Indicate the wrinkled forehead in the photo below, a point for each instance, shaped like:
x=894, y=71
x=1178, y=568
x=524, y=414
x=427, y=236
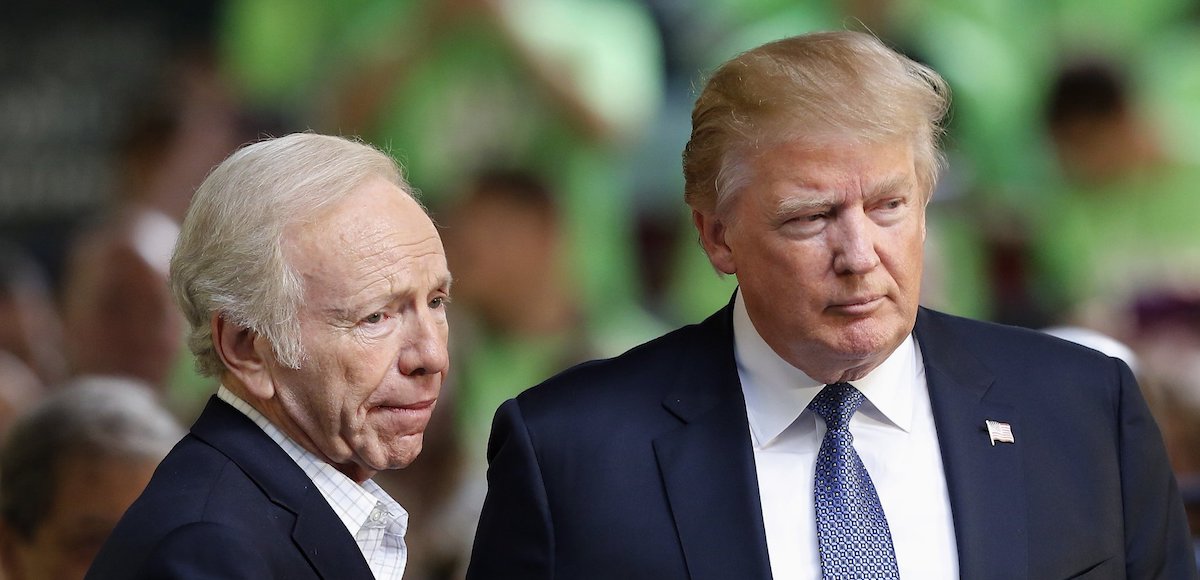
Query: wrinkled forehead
x=850, y=147
x=808, y=151
x=814, y=164
x=376, y=221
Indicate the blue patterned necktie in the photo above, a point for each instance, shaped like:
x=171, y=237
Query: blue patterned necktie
x=852, y=532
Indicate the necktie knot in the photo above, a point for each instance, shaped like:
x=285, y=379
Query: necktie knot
x=836, y=403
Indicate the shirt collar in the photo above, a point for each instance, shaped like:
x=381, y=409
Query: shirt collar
x=777, y=393
x=352, y=502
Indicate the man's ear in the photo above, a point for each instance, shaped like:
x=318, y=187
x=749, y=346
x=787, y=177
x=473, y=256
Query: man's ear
x=712, y=236
x=241, y=351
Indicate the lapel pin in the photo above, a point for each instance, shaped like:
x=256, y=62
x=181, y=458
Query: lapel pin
x=999, y=432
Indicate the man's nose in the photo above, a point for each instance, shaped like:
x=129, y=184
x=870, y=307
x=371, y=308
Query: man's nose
x=424, y=350
x=854, y=244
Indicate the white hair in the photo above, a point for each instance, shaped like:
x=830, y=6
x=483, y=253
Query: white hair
x=230, y=260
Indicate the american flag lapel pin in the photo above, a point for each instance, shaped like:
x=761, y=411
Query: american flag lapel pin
x=999, y=432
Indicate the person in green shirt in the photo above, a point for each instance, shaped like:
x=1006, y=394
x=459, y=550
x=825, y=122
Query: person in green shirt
x=1119, y=225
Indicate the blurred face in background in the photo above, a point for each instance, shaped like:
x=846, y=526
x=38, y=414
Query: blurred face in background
x=92, y=493
x=502, y=250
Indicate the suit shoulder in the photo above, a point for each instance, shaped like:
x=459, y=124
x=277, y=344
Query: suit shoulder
x=196, y=489
x=993, y=337
x=1023, y=359
x=195, y=483
x=191, y=476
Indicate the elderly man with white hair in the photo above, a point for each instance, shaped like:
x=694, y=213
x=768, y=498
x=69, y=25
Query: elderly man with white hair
x=315, y=287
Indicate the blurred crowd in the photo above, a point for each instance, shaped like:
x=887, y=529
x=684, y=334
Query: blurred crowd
x=545, y=135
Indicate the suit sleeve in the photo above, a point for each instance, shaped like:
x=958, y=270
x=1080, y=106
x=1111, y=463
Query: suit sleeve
x=515, y=537
x=1157, y=539
x=203, y=551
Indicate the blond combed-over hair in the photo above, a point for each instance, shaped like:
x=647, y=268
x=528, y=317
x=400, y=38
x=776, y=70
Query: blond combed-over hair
x=814, y=88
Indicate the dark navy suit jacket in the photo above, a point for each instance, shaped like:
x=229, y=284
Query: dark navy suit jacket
x=228, y=502
x=641, y=467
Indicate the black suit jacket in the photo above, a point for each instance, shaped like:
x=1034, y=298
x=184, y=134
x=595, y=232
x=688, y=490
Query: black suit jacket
x=641, y=467
x=228, y=502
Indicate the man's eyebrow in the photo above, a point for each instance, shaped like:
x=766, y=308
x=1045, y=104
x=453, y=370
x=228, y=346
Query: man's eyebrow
x=442, y=282
x=892, y=185
x=344, y=314
x=794, y=205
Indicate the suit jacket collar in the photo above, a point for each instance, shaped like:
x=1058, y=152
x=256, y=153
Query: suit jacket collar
x=318, y=532
x=707, y=463
x=985, y=481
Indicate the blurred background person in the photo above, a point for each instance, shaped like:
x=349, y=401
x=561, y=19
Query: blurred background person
x=460, y=87
x=70, y=467
x=82, y=73
x=20, y=389
x=30, y=325
x=118, y=313
x=107, y=123
x=31, y=342
x=522, y=312
x=1116, y=227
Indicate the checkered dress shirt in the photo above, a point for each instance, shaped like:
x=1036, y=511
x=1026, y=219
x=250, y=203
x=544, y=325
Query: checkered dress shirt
x=376, y=521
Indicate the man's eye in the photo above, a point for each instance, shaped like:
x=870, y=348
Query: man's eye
x=438, y=302
x=374, y=318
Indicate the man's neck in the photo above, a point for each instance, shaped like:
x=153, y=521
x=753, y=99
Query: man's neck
x=273, y=411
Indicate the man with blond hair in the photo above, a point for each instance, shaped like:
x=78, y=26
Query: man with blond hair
x=823, y=424
x=315, y=286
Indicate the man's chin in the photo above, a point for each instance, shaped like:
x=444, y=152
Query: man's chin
x=403, y=455
x=868, y=340
x=862, y=335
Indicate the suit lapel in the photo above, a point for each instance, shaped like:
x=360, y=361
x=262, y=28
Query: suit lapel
x=707, y=464
x=985, y=481
x=334, y=555
x=318, y=532
x=708, y=472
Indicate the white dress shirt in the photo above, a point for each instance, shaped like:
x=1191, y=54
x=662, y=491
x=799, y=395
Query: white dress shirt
x=376, y=521
x=894, y=434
